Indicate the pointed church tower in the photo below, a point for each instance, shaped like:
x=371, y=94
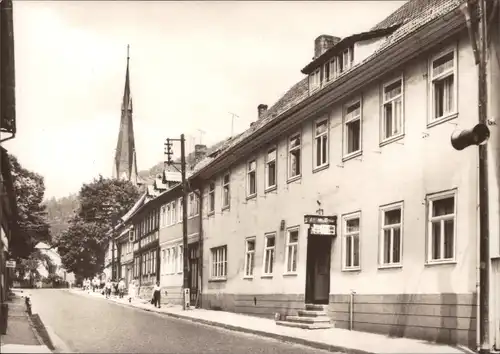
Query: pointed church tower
x=125, y=165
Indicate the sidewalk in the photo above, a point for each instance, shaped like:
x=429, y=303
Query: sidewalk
x=332, y=339
x=21, y=335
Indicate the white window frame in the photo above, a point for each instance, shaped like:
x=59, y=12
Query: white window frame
x=392, y=101
x=226, y=203
x=288, y=245
x=163, y=261
x=269, y=161
x=249, y=175
x=180, y=259
x=453, y=71
x=269, y=250
x=193, y=204
x=292, y=149
x=326, y=80
x=346, y=236
x=218, y=257
x=169, y=262
x=211, y=197
x=249, y=254
x=391, y=227
x=431, y=198
x=346, y=121
x=163, y=218
x=173, y=211
x=315, y=80
x=179, y=204
x=322, y=138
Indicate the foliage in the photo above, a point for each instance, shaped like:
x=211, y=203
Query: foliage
x=59, y=214
x=29, y=188
x=106, y=199
x=29, y=266
x=81, y=248
x=101, y=203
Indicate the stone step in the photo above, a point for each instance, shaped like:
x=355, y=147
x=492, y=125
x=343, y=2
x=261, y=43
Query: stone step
x=315, y=307
x=319, y=319
x=321, y=325
x=309, y=313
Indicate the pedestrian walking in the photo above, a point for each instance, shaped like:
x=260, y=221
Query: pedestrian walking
x=156, y=300
x=108, y=289
x=131, y=291
x=121, y=288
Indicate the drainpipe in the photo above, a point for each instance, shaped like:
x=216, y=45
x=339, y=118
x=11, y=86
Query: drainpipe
x=351, y=309
x=200, y=233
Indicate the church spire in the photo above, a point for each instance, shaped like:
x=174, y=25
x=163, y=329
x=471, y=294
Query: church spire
x=125, y=165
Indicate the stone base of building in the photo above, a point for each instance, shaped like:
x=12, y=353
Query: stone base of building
x=173, y=295
x=442, y=318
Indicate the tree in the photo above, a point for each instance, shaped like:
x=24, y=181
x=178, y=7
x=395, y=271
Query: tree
x=28, y=267
x=102, y=201
x=81, y=248
x=29, y=188
x=105, y=199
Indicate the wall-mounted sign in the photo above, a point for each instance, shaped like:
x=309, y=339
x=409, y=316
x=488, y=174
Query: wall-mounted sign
x=323, y=229
x=320, y=219
x=10, y=264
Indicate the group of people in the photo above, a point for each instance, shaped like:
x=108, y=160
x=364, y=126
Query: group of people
x=118, y=288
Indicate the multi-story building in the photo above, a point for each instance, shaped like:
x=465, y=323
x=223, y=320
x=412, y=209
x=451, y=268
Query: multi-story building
x=364, y=140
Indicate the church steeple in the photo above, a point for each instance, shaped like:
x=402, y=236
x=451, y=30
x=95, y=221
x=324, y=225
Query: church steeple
x=125, y=166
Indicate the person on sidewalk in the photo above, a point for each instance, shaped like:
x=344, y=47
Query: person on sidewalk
x=157, y=295
x=108, y=289
x=131, y=291
x=121, y=288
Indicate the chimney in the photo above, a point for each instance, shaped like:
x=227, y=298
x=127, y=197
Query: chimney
x=200, y=151
x=323, y=43
x=262, y=108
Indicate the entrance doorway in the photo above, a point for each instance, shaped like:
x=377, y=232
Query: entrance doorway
x=193, y=259
x=318, y=269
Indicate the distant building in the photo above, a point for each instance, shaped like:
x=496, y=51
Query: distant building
x=55, y=267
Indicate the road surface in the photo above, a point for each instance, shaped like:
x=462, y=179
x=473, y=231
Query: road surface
x=87, y=324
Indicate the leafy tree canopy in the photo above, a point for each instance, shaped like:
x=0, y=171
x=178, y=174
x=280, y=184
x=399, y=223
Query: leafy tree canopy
x=29, y=188
x=81, y=247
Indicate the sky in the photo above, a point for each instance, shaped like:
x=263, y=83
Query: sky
x=192, y=64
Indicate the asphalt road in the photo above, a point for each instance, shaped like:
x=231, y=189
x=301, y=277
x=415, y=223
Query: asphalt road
x=95, y=325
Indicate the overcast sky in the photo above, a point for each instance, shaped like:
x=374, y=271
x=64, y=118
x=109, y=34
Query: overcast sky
x=191, y=64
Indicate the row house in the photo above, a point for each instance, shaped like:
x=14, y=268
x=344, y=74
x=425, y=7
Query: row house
x=171, y=236
x=365, y=140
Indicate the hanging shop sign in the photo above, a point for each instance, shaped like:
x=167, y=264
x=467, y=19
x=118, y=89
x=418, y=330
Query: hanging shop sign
x=322, y=225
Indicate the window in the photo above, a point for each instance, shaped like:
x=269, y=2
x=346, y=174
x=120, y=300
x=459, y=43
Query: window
x=271, y=169
x=169, y=261
x=292, y=242
x=173, y=211
x=392, y=122
x=269, y=247
x=442, y=228
x=226, y=196
x=174, y=260
x=163, y=261
x=294, y=156
x=351, y=233
x=391, y=234
x=321, y=143
x=314, y=80
x=193, y=205
x=211, y=197
x=251, y=178
x=326, y=73
x=163, y=216
x=219, y=262
x=352, y=130
x=249, y=257
x=180, y=203
x=169, y=214
x=443, y=85
x=180, y=259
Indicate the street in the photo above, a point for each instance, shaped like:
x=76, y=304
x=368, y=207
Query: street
x=95, y=325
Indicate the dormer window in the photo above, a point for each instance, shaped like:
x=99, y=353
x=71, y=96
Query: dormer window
x=315, y=80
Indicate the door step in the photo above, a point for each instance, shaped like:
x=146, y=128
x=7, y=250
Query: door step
x=313, y=317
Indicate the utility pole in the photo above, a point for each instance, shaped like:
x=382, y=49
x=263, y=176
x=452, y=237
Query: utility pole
x=479, y=136
x=185, y=253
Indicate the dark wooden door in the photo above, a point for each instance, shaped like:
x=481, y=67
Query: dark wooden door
x=318, y=269
x=193, y=259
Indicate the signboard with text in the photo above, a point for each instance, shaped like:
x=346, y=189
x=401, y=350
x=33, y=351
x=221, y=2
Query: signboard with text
x=321, y=225
x=10, y=264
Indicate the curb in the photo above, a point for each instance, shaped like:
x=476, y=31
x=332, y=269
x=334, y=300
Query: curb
x=40, y=331
x=281, y=337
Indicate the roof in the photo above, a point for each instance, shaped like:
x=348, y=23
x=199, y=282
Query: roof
x=172, y=176
x=132, y=210
x=410, y=17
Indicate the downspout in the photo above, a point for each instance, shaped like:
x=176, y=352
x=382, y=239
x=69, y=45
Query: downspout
x=200, y=266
